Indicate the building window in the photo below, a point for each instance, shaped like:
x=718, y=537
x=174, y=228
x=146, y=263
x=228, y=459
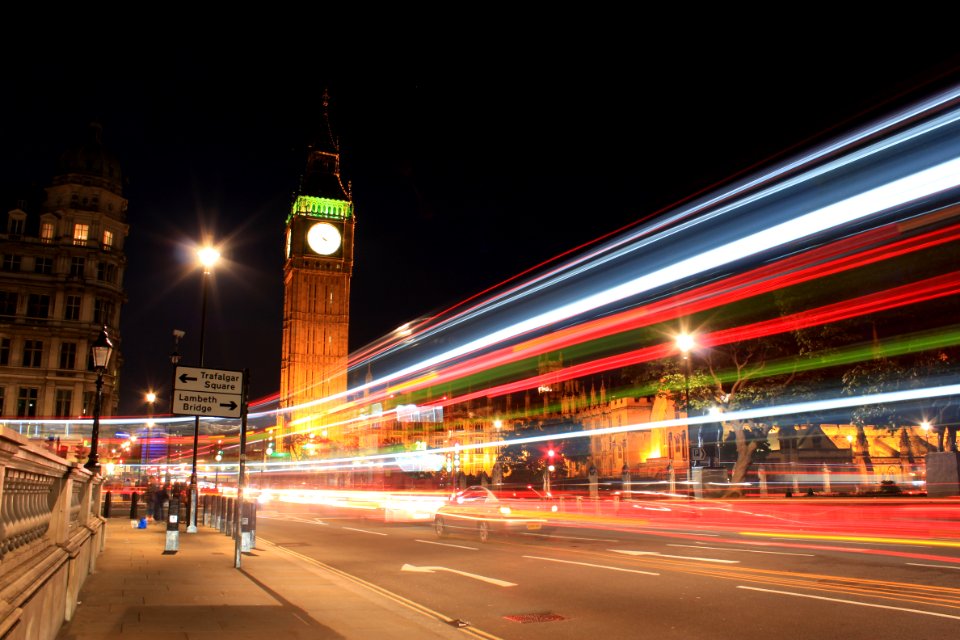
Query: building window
x=32, y=353
x=11, y=262
x=81, y=232
x=88, y=403
x=107, y=239
x=8, y=303
x=43, y=265
x=102, y=311
x=68, y=356
x=106, y=272
x=15, y=226
x=46, y=232
x=27, y=402
x=38, y=305
x=64, y=400
x=4, y=352
x=77, y=266
x=72, y=309
x=1, y=402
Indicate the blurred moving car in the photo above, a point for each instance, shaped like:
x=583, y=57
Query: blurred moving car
x=481, y=511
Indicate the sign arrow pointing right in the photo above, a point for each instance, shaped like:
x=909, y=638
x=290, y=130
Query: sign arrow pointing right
x=230, y=405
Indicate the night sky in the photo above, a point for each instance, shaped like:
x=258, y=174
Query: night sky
x=462, y=174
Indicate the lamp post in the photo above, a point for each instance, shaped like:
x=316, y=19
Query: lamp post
x=686, y=343
x=208, y=257
x=101, y=351
x=174, y=360
x=150, y=397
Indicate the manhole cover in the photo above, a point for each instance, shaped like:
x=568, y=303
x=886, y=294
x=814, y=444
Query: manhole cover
x=527, y=618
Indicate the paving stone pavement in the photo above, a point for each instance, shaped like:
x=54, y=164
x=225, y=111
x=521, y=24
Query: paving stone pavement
x=196, y=593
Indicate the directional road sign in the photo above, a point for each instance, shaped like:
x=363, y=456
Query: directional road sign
x=213, y=393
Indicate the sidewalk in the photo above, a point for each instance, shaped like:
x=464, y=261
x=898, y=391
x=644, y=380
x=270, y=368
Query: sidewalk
x=139, y=592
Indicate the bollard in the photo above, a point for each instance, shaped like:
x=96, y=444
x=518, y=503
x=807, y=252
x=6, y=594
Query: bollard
x=248, y=526
x=231, y=516
x=173, y=527
x=107, y=503
x=134, y=507
x=205, y=501
x=221, y=513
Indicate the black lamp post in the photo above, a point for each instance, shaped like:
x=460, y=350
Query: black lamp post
x=686, y=343
x=174, y=360
x=101, y=351
x=208, y=257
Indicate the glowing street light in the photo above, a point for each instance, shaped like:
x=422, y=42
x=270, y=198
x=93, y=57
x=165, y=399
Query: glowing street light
x=208, y=257
x=100, y=351
x=686, y=343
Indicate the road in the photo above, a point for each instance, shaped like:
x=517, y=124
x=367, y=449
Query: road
x=646, y=579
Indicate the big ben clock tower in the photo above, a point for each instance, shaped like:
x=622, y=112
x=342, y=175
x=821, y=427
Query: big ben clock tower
x=318, y=260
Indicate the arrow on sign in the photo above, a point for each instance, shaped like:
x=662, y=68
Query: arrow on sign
x=230, y=405
x=499, y=583
x=185, y=378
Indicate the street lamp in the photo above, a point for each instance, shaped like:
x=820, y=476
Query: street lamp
x=101, y=351
x=174, y=360
x=150, y=397
x=208, y=257
x=686, y=343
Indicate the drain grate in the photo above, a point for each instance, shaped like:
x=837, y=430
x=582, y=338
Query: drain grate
x=527, y=618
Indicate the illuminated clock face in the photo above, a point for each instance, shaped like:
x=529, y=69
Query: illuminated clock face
x=324, y=238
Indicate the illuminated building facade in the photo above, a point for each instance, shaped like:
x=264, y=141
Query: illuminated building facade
x=61, y=282
x=318, y=255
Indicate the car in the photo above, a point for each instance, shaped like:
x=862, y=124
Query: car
x=481, y=511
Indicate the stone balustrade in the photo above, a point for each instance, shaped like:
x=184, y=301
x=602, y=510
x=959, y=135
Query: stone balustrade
x=50, y=535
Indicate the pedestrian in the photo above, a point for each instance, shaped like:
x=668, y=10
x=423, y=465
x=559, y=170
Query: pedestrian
x=159, y=500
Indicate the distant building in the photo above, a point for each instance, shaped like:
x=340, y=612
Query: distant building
x=61, y=282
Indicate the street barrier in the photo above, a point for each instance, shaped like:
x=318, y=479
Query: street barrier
x=173, y=526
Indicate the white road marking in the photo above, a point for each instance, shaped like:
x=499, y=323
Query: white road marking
x=447, y=544
x=936, y=566
x=499, y=583
x=547, y=535
x=373, y=533
x=776, y=553
x=596, y=566
x=857, y=542
x=861, y=604
x=655, y=554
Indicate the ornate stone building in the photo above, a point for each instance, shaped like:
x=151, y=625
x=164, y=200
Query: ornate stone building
x=316, y=306
x=61, y=282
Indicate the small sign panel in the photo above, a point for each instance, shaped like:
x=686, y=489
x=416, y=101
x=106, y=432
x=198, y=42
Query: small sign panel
x=212, y=393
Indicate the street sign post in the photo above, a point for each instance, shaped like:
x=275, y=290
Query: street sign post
x=210, y=393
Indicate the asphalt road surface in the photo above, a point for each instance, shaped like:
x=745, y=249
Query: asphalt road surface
x=652, y=579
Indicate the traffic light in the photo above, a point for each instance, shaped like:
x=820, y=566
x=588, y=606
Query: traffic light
x=219, y=450
x=551, y=456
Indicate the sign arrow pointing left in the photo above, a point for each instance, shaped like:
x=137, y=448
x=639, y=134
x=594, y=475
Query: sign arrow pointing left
x=415, y=569
x=185, y=378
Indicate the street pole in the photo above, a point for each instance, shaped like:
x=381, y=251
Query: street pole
x=174, y=360
x=100, y=351
x=239, y=520
x=208, y=257
x=192, y=526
